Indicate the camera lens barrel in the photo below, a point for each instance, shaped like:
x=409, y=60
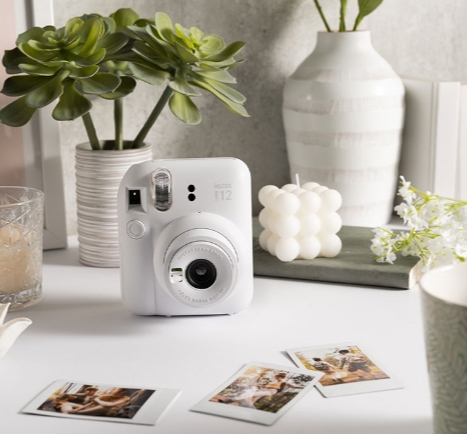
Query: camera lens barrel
x=201, y=274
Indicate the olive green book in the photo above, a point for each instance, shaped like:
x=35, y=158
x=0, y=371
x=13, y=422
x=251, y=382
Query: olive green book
x=354, y=264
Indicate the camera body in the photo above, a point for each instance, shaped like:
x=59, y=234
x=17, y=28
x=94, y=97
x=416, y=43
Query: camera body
x=185, y=237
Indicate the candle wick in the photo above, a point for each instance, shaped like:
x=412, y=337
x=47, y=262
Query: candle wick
x=297, y=180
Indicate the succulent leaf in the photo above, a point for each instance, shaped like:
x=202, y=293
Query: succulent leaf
x=164, y=26
x=185, y=55
x=48, y=92
x=184, y=109
x=211, y=44
x=38, y=69
x=17, y=113
x=180, y=84
x=90, y=33
x=38, y=56
x=72, y=104
x=225, y=90
x=127, y=86
x=22, y=84
x=34, y=33
x=232, y=106
x=112, y=43
x=101, y=82
x=148, y=74
x=228, y=52
x=125, y=17
x=215, y=74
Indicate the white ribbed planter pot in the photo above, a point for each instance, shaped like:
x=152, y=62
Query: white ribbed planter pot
x=98, y=176
x=343, y=114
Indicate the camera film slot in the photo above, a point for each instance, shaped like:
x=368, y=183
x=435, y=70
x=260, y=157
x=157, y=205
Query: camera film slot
x=161, y=188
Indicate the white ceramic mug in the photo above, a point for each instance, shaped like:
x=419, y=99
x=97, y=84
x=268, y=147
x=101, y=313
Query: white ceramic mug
x=445, y=322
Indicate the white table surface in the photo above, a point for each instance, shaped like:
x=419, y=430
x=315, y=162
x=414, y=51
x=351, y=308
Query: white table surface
x=82, y=332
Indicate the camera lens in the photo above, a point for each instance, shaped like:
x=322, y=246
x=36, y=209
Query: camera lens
x=201, y=274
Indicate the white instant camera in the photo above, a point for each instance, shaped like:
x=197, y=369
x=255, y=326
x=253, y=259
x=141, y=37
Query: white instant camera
x=185, y=237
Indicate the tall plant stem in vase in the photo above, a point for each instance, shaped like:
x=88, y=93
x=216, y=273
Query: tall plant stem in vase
x=342, y=16
x=91, y=132
x=118, y=116
x=320, y=11
x=138, y=142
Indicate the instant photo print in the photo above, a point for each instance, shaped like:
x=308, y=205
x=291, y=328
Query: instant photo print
x=78, y=400
x=346, y=369
x=259, y=393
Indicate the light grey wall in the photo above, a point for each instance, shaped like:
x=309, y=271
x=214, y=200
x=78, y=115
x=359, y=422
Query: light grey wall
x=418, y=38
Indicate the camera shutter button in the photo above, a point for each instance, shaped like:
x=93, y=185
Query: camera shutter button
x=135, y=229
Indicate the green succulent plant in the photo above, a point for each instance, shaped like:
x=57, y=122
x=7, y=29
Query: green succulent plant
x=95, y=55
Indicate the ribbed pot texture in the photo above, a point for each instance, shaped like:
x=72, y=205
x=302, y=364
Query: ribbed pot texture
x=343, y=112
x=98, y=176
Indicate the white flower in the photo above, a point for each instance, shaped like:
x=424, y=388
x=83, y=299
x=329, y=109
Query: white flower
x=406, y=192
x=438, y=230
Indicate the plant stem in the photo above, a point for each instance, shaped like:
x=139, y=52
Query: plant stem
x=118, y=119
x=320, y=11
x=138, y=142
x=358, y=20
x=342, y=19
x=91, y=132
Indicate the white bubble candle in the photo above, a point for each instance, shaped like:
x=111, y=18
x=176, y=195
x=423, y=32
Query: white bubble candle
x=300, y=222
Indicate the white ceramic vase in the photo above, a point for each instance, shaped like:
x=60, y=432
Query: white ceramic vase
x=343, y=112
x=98, y=176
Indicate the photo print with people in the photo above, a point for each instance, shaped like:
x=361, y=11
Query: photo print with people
x=78, y=400
x=90, y=400
x=259, y=393
x=346, y=369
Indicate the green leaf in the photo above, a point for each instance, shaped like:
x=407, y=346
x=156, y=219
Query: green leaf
x=17, y=114
x=11, y=60
x=102, y=82
x=212, y=44
x=184, y=109
x=225, y=90
x=34, y=33
x=127, y=86
x=40, y=56
x=23, y=84
x=366, y=7
x=113, y=42
x=138, y=33
x=72, y=26
x=50, y=91
x=232, y=106
x=180, y=84
x=152, y=55
x=84, y=72
x=164, y=26
x=72, y=104
x=38, y=69
x=148, y=74
x=184, y=36
x=228, y=52
x=39, y=46
x=185, y=55
x=90, y=33
x=125, y=17
x=93, y=59
x=222, y=76
x=196, y=34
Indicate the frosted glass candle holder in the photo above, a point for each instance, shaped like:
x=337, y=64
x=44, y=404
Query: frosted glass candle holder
x=300, y=222
x=21, y=231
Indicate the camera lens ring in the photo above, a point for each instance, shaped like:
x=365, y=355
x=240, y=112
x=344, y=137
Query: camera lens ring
x=201, y=274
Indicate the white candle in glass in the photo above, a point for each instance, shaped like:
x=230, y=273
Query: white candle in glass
x=19, y=262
